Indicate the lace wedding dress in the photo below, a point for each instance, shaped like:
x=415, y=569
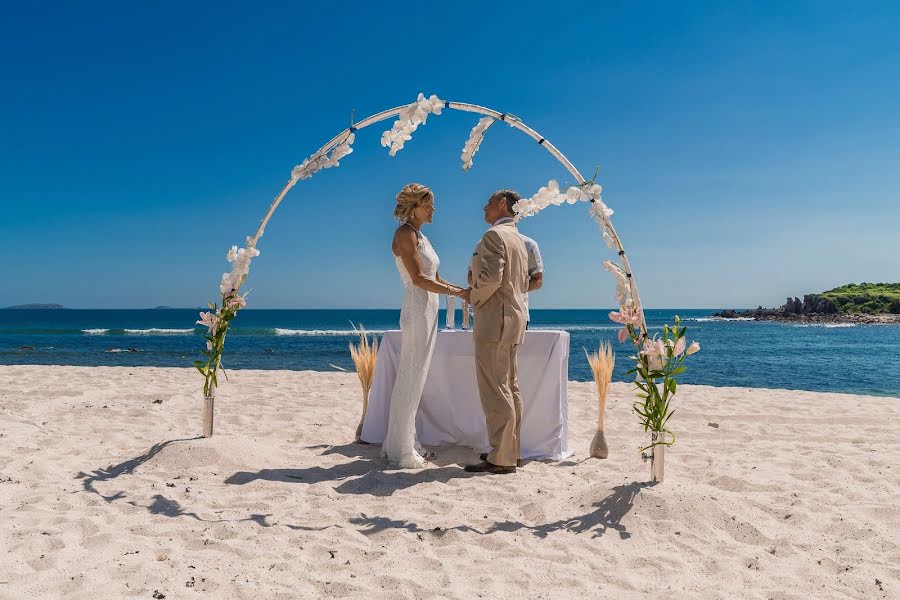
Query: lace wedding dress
x=418, y=327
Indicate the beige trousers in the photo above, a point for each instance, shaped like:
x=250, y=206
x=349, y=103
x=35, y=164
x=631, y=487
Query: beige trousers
x=498, y=385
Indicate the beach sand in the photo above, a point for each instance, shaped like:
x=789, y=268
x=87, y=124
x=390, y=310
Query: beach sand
x=107, y=492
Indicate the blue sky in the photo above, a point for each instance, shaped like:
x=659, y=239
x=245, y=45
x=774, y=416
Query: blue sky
x=750, y=150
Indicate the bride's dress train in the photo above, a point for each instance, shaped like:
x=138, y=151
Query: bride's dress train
x=418, y=327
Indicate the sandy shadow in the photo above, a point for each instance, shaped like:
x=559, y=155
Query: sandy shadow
x=574, y=463
x=443, y=455
x=123, y=468
x=167, y=508
x=164, y=507
x=354, y=450
x=608, y=515
x=308, y=475
x=385, y=483
x=373, y=525
x=359, y=477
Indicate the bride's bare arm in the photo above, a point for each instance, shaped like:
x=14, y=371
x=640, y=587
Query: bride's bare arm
x=406, y=247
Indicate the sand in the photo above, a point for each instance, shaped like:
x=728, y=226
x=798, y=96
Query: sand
x=107, y=492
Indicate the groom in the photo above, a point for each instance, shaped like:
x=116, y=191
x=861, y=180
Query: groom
x=499, y=283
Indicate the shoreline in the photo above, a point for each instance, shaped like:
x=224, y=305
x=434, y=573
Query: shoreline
x=312, y=372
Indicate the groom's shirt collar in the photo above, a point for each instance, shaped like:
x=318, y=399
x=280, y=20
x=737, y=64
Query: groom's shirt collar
x=502, y=220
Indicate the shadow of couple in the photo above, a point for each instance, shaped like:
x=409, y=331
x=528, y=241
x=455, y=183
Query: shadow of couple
x=368, y=474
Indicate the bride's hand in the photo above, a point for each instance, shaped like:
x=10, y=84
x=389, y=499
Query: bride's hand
x=453, y=290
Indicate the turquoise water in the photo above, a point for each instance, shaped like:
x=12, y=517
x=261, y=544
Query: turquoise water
x=863, y=359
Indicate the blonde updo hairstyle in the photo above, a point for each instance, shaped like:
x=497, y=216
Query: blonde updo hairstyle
x=412, y=196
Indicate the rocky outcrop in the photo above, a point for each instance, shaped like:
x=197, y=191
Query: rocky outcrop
x=812, y=304
x=814, y=308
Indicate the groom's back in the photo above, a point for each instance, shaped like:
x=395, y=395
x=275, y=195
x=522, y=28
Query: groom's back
x=502, y=317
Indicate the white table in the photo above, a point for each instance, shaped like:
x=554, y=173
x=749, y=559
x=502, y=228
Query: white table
x=450, y=411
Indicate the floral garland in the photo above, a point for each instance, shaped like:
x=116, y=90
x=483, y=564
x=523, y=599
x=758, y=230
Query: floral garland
x=219, y=319
x=410, y=118
x=474, y=142
x=623, y=289
x=659, y=360
x=552, y=195
x=324, y=159
x=658, y=363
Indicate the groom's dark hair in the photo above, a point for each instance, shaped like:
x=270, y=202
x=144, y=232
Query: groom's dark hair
x=510, y=197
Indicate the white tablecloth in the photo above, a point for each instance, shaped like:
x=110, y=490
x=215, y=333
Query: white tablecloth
x=450, y=411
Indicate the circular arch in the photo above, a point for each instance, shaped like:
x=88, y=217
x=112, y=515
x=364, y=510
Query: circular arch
x=659, y=358
x=412, y=115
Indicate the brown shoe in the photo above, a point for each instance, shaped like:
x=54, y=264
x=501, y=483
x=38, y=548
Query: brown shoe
x=483, y=456
x=486, y=467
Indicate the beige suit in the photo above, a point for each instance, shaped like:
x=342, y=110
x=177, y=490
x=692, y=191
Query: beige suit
x=499, y=283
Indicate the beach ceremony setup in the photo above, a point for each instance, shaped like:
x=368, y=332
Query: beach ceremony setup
x=450, y=412
x=332, y=302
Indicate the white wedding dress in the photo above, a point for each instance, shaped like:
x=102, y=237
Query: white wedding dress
x=418, y=331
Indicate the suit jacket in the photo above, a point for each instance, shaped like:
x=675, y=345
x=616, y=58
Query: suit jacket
x=499, y=283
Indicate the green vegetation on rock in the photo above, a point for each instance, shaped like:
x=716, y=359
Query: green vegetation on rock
x=871, y=298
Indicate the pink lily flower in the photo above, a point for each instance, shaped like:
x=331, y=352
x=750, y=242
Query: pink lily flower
x=655, y=351
x=237, y=302
x=208, y=319
x=627, y=315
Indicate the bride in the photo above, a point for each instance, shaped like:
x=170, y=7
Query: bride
x=417, y=263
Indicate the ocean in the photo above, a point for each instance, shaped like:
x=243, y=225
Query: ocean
x=861, y=359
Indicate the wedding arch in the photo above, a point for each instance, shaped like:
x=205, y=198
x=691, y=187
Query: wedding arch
x=409, y=118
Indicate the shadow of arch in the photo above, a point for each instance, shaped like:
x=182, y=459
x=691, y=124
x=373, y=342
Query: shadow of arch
x=373, y=525
x=608, y=515
x=123, y=468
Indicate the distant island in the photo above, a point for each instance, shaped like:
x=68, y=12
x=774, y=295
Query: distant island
x=35, y=306
x=851, y=303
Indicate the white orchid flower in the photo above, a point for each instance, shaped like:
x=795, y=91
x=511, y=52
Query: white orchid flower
x=226, y=286
x=474, y=142
x=610, y=242
x=408, y=120
x=623, y=289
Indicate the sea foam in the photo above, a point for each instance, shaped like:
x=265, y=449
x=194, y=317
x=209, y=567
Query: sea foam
x=158, y=331
x=323, y=332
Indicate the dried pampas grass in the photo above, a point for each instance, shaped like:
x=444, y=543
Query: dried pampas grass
x=601, y=362
x=364, y=356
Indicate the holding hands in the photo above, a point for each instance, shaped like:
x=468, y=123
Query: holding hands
x=453, y=290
